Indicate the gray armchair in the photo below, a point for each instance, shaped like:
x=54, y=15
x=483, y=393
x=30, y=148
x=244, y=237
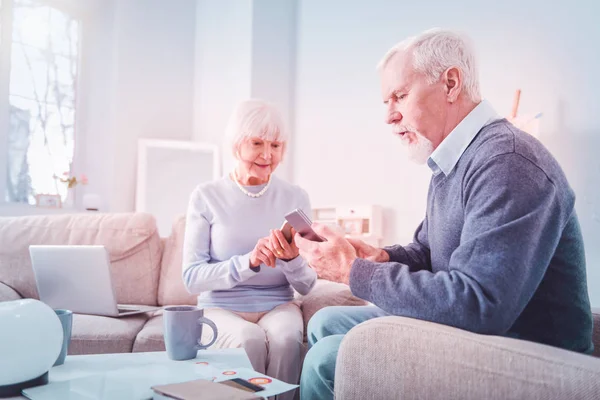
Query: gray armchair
x=403, y=358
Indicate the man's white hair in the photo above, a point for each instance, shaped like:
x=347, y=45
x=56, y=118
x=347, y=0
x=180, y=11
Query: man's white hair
x=255, y=118
x=436, y=50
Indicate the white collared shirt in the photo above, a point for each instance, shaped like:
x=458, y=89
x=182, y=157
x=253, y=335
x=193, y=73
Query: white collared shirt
x=447, y=154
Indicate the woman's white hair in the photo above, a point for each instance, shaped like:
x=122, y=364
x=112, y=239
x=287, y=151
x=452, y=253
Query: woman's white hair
x=436, y=50
x=255, y=118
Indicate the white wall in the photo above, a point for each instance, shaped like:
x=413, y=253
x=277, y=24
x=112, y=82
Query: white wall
x=244, y=49
x=274, y=63
x=223, y=72
x=142, y=87
x=155, y=72
x=344, y=153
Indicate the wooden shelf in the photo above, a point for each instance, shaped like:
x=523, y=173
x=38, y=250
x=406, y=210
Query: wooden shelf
x=363, y=222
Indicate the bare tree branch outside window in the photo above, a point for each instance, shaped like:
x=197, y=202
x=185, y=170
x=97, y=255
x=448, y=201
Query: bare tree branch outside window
x=44, y=67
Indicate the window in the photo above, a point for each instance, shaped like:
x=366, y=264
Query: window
x=44, y=57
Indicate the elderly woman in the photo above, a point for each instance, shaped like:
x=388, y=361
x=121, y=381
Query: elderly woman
x=236, y=259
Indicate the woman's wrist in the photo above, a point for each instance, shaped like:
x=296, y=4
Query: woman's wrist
x=255, y=269
x=254, y=263
x=290, y=259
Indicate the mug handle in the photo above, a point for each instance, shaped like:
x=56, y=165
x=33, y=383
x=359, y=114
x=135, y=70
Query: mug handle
x=204, y=320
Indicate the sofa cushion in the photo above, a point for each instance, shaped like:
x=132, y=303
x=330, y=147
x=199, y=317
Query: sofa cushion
x=324, y=294
x=150, y=338
x=171, y=289
x=132, y=241
x=94, y=334
x=7, y=293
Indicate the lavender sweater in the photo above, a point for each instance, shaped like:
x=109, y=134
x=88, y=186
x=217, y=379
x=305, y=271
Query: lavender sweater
x=500, y=250
x=222, y=227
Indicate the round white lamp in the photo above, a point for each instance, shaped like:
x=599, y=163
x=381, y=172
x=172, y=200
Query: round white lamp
x=30, y=341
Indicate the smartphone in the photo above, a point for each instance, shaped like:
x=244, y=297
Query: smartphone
x=286, y=229
x=242, y=384
x=302, y=224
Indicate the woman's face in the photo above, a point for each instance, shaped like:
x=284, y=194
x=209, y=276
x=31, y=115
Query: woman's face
x=259, y=158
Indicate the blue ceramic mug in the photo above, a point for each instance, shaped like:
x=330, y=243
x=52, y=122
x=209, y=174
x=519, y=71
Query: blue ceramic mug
x=66, y=320
x=183, y=331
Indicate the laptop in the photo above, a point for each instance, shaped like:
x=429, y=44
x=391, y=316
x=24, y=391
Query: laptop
x=78, y=278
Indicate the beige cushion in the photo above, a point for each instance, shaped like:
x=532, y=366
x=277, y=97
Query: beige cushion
x=101, y=335
x=325, y=294
x=151, y=337
x=7, y=293
x=131, y=239
x=171, y=289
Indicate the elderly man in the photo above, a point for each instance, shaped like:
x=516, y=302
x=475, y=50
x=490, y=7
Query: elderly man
x=500, y=250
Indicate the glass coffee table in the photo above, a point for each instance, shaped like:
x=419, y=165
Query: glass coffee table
x=131, y=375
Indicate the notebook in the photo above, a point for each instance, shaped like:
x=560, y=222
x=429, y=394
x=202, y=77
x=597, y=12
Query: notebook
x=201, y=390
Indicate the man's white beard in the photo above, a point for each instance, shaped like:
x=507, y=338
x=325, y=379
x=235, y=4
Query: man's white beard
x=417, y=152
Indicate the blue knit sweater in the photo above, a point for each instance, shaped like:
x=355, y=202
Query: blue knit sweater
x=499, y=252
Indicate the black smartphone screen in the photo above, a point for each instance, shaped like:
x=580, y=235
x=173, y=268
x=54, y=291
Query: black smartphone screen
x=245, y=385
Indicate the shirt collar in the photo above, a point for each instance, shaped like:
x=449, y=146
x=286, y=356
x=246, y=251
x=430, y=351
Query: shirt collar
x=447, y=154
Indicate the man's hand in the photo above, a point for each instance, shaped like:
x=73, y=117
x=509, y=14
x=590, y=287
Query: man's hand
x=262, y=254
x=332, y=259
x=369, y=252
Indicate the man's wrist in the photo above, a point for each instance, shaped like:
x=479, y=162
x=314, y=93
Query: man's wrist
x=345, y=278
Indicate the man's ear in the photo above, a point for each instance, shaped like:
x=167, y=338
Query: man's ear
x=453, y=82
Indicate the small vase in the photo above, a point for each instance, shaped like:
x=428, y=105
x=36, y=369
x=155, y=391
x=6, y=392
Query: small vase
x=70, y=199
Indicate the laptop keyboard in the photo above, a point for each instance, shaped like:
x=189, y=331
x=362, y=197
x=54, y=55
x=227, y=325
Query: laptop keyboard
x=124, y=310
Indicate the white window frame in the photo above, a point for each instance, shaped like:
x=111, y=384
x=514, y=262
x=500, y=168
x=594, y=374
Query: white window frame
x=76, y=10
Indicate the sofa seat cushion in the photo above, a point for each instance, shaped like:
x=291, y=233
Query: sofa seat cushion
x=94, y=334
x=150, y=338
x=131, y=239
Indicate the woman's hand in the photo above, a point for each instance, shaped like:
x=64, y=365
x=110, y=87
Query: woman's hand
x=262, y=253
x=281, y=248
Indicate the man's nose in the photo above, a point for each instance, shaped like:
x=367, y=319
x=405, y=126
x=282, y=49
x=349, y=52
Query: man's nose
x=393, y=117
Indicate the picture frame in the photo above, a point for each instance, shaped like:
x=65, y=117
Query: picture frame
x=168, y=171
x=45, y=200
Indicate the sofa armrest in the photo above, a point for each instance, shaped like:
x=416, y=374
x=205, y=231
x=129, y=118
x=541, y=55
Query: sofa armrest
x=7, y=293
x=596, y=333
x=396, y=357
